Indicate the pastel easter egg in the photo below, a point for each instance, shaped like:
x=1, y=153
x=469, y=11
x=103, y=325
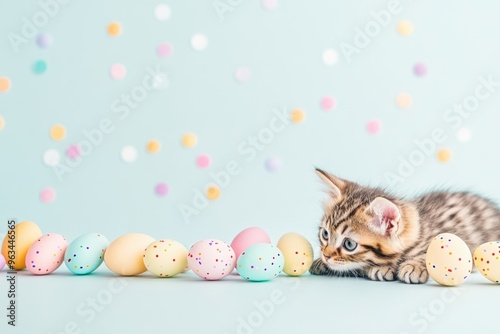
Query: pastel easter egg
x=46, y=254
x=448, y=260
x=165, y=258
x=487, y=260
x=247, y=238
x=211, y=259
x=86, y=253
x=260, y=262
x=124, y=254
x=2, y=262
x=17, y=241
x=298, y=253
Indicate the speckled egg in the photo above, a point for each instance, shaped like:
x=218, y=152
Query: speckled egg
x=487, y=260
x=165, y=258
x=86, y=253
x=211, y=259
x=260, y=262
x=247, y=238
x=25, y=234
x=124, y=254
x=298, y=253
x=46, y=254
x=448, y=260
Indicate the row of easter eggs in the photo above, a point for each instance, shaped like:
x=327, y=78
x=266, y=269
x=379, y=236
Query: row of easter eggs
x=251, y=252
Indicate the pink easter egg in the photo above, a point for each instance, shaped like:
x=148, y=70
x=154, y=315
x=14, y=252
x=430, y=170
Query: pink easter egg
x=211, y=259
x=46, y=254
x=247, y=238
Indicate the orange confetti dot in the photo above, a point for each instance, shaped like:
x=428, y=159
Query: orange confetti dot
x=405, y=28
x=58, y=132
x=189, y=140
x=153, y=146
x=114, y=29
x=444, y=155
x=297, y=116
x=213, y=192
x=4, y=84
x=404, y=101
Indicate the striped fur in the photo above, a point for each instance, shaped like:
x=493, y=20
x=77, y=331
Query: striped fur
x=392, y=234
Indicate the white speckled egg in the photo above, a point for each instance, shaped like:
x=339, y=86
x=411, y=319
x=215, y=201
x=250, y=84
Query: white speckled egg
x=165, y=258
x=298, y=253
x=46, y=254
x=211, y=259
x=448, y=260
x=260, y=262
x=86, y=253
x=487, y=260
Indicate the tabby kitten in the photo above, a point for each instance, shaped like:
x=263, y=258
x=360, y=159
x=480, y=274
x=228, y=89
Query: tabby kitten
x=368, y=232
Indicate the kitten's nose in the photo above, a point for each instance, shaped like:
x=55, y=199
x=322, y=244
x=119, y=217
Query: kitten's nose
x=328, y=252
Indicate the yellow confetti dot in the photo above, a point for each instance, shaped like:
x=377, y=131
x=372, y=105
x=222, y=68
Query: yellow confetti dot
x=404, y=101
x=405, y=28
x=444, y=155
x=4, y=84
x=58, y=132
x=114, y=29
x=2, y=122
x=189, y=140
x=153, y=146
x=213, y=192
x=297, y=116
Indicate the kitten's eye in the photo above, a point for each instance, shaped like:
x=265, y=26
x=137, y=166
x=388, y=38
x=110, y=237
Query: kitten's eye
x=350, y=245
x=325, y=234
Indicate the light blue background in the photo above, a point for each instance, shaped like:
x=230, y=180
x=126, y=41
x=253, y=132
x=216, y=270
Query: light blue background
x=457, y=41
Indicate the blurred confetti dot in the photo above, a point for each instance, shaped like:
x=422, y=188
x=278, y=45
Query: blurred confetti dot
x=243, y=74
x=118, y=71
x=373, y=127
x=57, y=132
x=162, y=12
x=189, y=140
x=273, y=164
x=2, y=122
x=270, y=4
x=114, y=29
x=44, y=40
x=297, y=116
x=4, y=84
x=51, y=157
x=404, y=101
x=213, y=192
x=199, y=42
x=161, y=189
x=328, y=103
x=405, y=28
x=129, y=154
x=444, y=155
x=47, y=195
x=153, y=146
x=39, y=67
x=73, y=152
x=164, y=50
x=203, y=161
x=330, y=57
x=463, y=135
x=420, y=69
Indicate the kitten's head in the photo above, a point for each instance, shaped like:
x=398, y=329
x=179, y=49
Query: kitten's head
x=363, y=227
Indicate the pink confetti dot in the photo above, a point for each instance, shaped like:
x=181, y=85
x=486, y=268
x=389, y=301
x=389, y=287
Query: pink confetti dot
x=420, y=69
x=161, y=189
x=270, y=4
x=328, y=103
x=164, y=50
x=47, y=195
x=73, y=152
x=373, y=127
x=203, y=161
x=243, y=74
x=118, y=71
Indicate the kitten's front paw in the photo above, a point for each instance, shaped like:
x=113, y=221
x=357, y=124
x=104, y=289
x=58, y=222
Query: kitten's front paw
x=319, y=268
x=413, y=272
x=383, y=273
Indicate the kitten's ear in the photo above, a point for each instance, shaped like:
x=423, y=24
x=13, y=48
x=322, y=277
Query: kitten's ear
x=335, y=185
x=385, y=216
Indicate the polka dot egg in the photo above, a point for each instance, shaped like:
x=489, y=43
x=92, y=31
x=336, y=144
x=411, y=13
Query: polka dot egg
x=487, y=260
x=260, y=262
x=298, y=253
x=86, y=253
x=165, y=258
x=448, y=260
x=211, y=259
x=46, y=254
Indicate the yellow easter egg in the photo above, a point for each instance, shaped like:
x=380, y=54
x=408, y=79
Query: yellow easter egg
x=298, y=253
